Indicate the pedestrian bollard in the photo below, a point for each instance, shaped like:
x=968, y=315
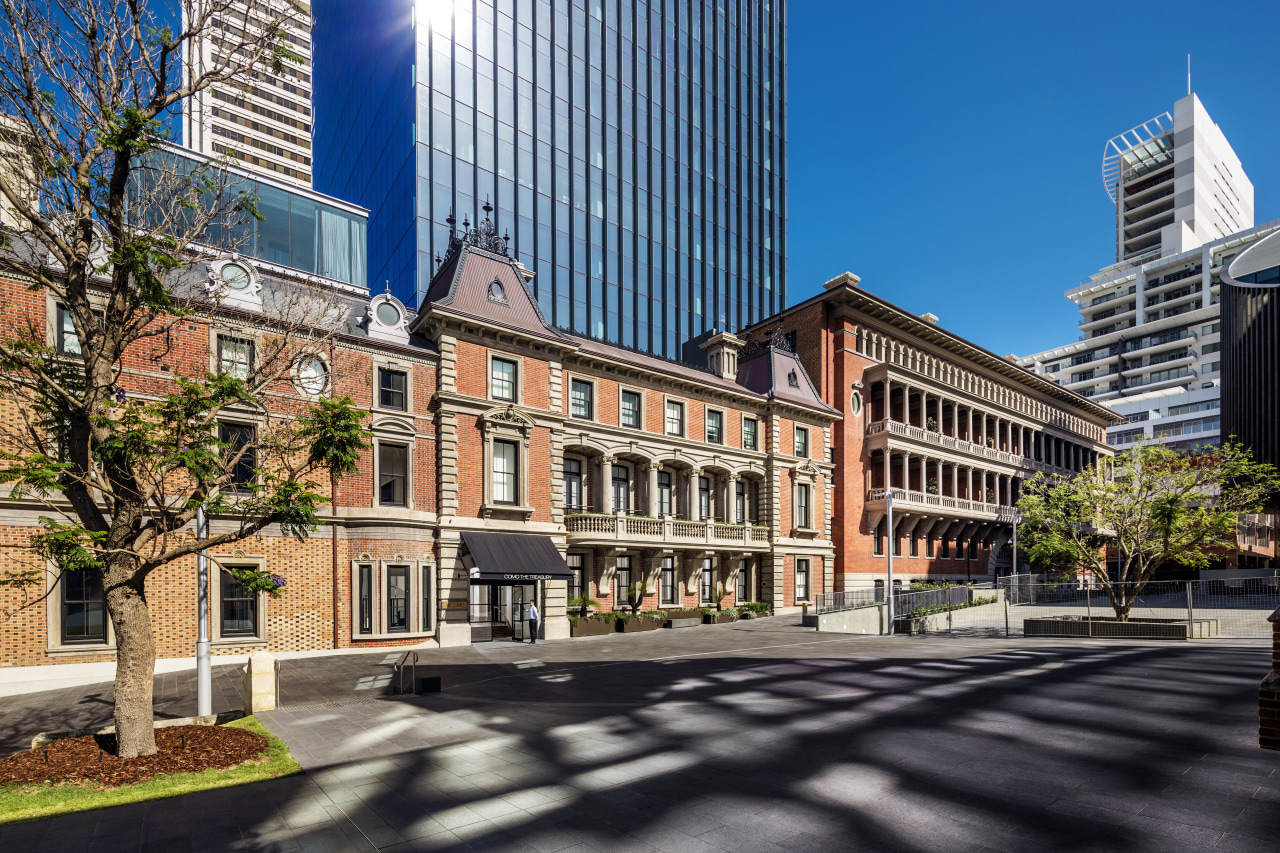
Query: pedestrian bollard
x=259, y=686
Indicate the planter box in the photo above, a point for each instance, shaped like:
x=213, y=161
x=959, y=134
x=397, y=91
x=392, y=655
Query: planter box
x=718, y=618
x=683, y=614
x=592, y=627
x=632, y=626
x=1108, y=627
x=932, y=623
x=686, y=622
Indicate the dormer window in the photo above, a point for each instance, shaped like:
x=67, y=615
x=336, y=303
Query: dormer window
x=388, y=314
x=793, y=380
x=497, y=293
x=235, y=276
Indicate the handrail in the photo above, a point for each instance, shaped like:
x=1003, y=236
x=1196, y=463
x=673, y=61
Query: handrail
x=399, y=670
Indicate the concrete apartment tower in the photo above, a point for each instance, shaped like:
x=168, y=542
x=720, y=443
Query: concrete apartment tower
x=265, y=127
x=1177, y=184
x=1149, y=328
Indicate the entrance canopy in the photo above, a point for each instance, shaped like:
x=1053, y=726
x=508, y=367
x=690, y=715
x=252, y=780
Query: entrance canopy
x=513, y=558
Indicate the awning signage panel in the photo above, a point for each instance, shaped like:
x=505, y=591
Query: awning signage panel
x=513, y=558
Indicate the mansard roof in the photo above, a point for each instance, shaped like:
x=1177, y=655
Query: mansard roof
x=773, y=371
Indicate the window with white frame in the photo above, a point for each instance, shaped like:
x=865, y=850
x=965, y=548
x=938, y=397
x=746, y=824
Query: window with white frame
x=235, y=356
x=239, y=616
x=393, y=389
x=503, y=376
x=664, y=493
x=84, y=618
x=505, y=474
x=802, y=442
x=715, y=426
x=574, y=561
x=66, y=339
x=582, y=399
x=675, y=418
x=630, y=413
x=742, y=592
x=912, y=547
x=740, y=502
x=802, y=579
x=393, y=474
x=572, y=485
x=803, y=509
x=704, y=498
x=750, y=433
x=391, y=597
x=620, y=479
x=622, y=580
x=239, y=447
x=707, y=582
x=668, y=580
x=877, y=544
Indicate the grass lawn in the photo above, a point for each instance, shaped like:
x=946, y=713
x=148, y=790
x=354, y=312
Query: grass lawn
x=20, y=803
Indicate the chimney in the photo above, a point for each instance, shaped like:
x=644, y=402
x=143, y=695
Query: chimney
x=722, y=353
x=931, y=319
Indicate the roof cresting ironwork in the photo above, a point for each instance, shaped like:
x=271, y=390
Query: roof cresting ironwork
x=1149, y=141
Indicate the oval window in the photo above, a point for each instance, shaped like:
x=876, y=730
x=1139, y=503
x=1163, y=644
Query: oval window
x=855, y=403
x=235, y=276
x=388, y=314
x=496, y=292
x=313, y=376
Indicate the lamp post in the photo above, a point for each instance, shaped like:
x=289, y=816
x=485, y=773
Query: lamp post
x=204, y=669
x=887, y=497
x=1014, y=570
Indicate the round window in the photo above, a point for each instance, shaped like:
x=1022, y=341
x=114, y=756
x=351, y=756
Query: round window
x=388, y=314
x=235, y=276
x=496, y=292
x=855, y=403
x=313, y=376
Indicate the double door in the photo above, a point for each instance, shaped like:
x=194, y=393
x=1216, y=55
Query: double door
x=500, y=611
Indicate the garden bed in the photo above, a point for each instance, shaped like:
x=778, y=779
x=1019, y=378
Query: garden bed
x=82, y=773
x=640, y=622
x=591, y=626
x=719, y=617
x=1110, y=627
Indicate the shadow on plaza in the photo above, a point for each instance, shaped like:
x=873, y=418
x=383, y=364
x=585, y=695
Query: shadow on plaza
x=828, y=754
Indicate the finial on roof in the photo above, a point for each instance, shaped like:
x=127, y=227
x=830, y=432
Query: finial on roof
x=388, y=290
x=449, y=220
x=466, y=224
x=488, y=208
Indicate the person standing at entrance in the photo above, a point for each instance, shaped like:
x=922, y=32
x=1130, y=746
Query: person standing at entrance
x=533, y=622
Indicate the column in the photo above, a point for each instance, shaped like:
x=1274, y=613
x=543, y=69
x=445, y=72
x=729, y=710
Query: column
x=955, y=481
x=938, y=466
x=691, y=492
x=888, y=399
x=888, y=456
x=604, y=484
x=729, y=511
x=651, y=487
x=968, y=483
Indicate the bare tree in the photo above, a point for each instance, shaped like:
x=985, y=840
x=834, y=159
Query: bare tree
x=101, y=215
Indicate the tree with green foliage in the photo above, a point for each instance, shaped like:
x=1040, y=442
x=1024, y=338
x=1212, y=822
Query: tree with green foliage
x=1150, y=506
x=101, y=221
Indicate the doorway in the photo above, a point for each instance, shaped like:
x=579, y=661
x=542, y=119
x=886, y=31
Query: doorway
x=498, y=611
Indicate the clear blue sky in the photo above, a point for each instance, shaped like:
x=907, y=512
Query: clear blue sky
x=949, y=153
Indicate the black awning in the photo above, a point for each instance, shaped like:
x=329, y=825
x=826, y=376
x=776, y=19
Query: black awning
x=513, y=558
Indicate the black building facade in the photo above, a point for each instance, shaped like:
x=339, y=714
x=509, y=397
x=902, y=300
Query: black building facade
x=1251, y=351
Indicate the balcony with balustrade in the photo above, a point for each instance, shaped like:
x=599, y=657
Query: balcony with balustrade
x=623, y=530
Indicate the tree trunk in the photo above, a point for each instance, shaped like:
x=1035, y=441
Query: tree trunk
x=135, y=664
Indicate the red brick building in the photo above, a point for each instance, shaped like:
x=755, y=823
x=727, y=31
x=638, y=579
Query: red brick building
x=951, y=428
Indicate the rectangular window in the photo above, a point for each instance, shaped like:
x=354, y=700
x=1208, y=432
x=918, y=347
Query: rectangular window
x=623, y=581
x=802, y=442
x=392, y=389
x=83, y=607
x=397, y=598
x=502, y=379
x=393, y=474
x=928, y=546
x=68, y=342
x=504, y=472
x=621, y=479
x=631, y=409
x=749, y=433
x=675, y=418
x=365, y=572
x=668, y=580
x=572, y=485
x=715, y=427
x=946, y=548
x=802, y=506
x=426, y=598
x=740, y=502
x=973, y=549
x=574, y=561
x=741, y=594
x=704, y=498
x=912, y=548
x=582, y=399
x=706, y=582
x=877, y=543
x=664, y=493
x=235, y=356
x=802, y=580
x=235, y=438
x=239, y=609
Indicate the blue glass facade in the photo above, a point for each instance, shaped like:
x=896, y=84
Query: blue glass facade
x=635, y=151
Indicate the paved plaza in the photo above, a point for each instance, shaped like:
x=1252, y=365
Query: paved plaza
x=757, y=736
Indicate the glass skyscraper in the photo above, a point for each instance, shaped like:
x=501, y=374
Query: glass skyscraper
x=634, y=150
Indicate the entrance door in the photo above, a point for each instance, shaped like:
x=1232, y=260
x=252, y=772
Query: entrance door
x=480, y=612
x=520, y=596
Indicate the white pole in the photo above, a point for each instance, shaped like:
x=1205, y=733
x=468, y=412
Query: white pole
x=204, y=670
x=893, y=541
x=1015, y=546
